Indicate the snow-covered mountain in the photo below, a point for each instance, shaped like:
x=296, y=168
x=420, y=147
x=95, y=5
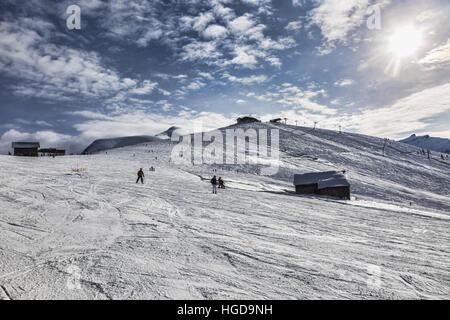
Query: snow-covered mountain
x=168, y=133
x=79, y=227
x=120, y=142
x=106, y=144
x=426, y=142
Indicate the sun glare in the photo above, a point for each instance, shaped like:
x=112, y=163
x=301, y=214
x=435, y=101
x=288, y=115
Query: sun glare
x=405, y=41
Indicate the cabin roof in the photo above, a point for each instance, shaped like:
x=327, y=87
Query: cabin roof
x=335, y=181
x=323, y=180
x=26, y=145
x=312, y=177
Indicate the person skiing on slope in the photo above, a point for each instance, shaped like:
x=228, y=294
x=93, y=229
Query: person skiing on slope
x=214, y=185
x=140, y=176
x=221, y=183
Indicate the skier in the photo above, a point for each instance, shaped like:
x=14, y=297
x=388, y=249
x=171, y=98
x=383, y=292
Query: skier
x=221, y=183
x=214, y=185
x=140, y=176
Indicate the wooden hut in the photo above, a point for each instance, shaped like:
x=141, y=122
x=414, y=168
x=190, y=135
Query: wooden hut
x=52, y=152
x=330, y=183
x=247, y=119
x=335, y=186
x=26, y=149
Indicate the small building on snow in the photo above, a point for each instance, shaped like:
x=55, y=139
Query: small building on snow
x=52, y=152
x=26, y=149
x=329, y=183
x=243, y=120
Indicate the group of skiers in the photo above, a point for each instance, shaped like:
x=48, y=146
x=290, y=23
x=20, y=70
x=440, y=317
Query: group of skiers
x=428, y=154
x=217, y=182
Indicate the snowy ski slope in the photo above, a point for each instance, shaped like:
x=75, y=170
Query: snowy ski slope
x=98, y=235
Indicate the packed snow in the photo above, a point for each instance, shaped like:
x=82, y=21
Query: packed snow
x=79, y=227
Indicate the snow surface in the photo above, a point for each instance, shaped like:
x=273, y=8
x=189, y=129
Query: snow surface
x=172, y=239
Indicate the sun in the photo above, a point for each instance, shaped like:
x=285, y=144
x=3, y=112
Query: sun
x=405, y=41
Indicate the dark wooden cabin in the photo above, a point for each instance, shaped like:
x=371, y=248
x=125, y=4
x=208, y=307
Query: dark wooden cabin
x=52, y=152
x=329, y=183
x=26, y=149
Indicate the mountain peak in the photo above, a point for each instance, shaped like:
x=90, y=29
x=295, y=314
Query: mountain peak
x=428, y=142
x=119, y=142
x=168, y=133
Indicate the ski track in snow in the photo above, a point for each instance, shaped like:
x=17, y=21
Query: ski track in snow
x=172, y=239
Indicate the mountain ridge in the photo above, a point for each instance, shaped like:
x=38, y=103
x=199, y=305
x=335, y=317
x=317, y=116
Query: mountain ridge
x=428, y=142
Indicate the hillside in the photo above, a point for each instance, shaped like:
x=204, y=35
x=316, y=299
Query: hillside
x=172, y=239
x=168, y=133
x=426, y=142
x=106, y=144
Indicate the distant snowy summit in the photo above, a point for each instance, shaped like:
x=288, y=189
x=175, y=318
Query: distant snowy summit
x=120, y=142
x=165, y=135
x=105, y=144
x=427, y=142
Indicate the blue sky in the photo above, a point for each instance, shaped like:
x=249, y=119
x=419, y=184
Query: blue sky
x=138, y=67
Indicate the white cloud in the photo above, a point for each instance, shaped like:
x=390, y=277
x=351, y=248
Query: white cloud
x=141, y=123
x=336, y=18
x=244, y=57
x=195, y=85
x=43, y=123
x=300, y=99
x=294, y=26
x=206, y=75
x=147, y=87
x=246, y=80
x=344, y=83
x=274, y=61
x=215, y=31
x=200, y=22
x=148, y=36
x=242, y=23
x=256, y=2
x=200, y=51
x=437, y=56
x=409, y=114
x=55, y=72
x=297, y=3
x=46, y=138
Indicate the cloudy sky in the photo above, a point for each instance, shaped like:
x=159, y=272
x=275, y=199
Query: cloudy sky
x=138, y=67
